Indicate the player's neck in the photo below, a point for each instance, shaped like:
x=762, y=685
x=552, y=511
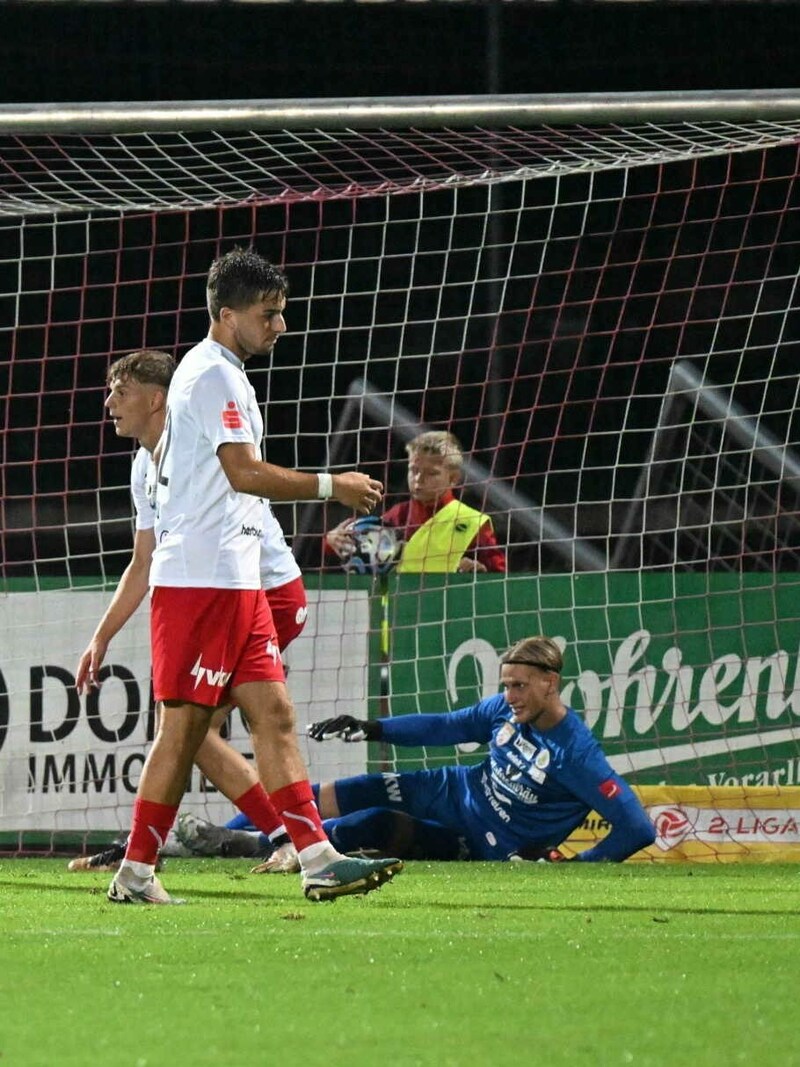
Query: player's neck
x=152, y=435
x=549, y=717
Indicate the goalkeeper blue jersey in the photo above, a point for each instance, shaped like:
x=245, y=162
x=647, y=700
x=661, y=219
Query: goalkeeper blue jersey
x=533, y=789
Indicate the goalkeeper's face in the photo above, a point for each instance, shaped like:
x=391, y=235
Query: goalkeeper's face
x=531, y=692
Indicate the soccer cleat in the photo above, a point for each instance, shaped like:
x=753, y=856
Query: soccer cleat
x=282, y=861
x=121, y=891
x=347, y=877
x=107, y=860
x=203, y=838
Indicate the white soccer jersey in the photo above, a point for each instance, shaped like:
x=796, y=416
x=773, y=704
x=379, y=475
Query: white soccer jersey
x=143, y=485
x=278, y=565
x=207, y=535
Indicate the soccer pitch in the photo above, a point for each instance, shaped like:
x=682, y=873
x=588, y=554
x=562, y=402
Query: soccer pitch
x=451, y=964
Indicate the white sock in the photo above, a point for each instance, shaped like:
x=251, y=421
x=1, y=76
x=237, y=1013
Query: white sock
x=139, y=873
x=315, y=857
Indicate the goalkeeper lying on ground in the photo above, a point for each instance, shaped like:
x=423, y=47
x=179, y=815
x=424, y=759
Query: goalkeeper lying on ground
x=544, y=773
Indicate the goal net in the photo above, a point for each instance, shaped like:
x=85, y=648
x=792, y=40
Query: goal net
x=598, y=297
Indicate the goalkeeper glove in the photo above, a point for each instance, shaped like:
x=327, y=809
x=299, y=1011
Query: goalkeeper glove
x=345, y=728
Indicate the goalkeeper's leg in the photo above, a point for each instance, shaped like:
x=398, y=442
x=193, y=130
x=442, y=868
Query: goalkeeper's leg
x=393, y=833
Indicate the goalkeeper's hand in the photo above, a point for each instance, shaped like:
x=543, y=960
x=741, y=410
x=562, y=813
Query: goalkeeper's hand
x=541, y=855
x=345, y=728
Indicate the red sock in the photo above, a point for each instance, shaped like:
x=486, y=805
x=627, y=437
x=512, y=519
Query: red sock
x=256, y=805
x=149, y=828
x=295, y=804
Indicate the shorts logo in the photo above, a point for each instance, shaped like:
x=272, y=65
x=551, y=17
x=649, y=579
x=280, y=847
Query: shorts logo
x=231, y=419
x=215, y=679
x=273, y=651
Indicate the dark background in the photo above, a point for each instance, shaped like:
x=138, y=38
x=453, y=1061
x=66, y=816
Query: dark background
x=198, y=51
x=579, y=393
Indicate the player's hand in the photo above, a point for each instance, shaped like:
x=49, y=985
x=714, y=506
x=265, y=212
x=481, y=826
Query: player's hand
x=340, y=539
x=357, y=491
x=541, y=855
x=344, y=728
x=89, y=666
x=466, y=565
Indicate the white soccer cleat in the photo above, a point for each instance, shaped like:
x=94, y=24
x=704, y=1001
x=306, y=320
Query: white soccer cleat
x=124, y=890
x=282, y=861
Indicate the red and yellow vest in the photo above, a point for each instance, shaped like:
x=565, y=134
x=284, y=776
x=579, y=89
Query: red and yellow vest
x=440, y=543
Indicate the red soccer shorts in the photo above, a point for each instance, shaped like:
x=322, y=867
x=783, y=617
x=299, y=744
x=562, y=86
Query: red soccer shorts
x=205, y=642
x=289, y=609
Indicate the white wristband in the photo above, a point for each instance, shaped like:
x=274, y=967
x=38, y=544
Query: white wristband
x=324, y=486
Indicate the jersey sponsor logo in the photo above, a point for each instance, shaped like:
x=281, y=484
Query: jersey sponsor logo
x=525, y=747
x=231, y=417
x=215, y=679
x=504, y=734
x=610, y=788
x=252, y=531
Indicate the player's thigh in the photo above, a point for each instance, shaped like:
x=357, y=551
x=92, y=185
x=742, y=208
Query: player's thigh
x=417, y=793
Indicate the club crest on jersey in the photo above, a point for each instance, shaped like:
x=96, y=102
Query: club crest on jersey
x=231, y=417
x=504, y=734
x=542, y=758
x=215, y=679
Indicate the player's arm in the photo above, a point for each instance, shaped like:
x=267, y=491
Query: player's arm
x=610, y=796
x=129, y=594
x=473, y=724
x=248, y=474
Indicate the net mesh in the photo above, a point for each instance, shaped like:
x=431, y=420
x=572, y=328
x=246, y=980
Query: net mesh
x=534, y=291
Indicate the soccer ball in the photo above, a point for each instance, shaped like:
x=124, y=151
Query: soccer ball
x=376, y=548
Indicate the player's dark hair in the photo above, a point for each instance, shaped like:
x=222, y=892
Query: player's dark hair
x=147, y=366
x=540, y=652
x=241, y=278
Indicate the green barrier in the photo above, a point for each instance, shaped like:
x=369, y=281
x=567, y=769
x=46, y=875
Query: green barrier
x=685, y=678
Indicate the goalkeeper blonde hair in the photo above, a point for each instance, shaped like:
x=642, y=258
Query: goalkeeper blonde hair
x=538, y=651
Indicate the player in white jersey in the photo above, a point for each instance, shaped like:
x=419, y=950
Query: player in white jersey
x=137, y=404
x=212, y=635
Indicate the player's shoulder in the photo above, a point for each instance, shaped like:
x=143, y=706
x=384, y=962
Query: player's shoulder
x=492, y=706
x=204, y=360
x=397, y=514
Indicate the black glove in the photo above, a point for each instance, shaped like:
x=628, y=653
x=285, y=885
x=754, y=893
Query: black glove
x=345, y=728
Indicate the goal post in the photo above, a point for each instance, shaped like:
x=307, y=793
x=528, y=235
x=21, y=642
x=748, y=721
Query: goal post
x=598, y=295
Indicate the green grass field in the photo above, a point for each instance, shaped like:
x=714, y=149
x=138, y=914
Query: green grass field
x=452, y=964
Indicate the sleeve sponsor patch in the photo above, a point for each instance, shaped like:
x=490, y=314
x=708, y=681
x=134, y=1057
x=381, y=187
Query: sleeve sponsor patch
x=610, y=788
x=231, y=416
